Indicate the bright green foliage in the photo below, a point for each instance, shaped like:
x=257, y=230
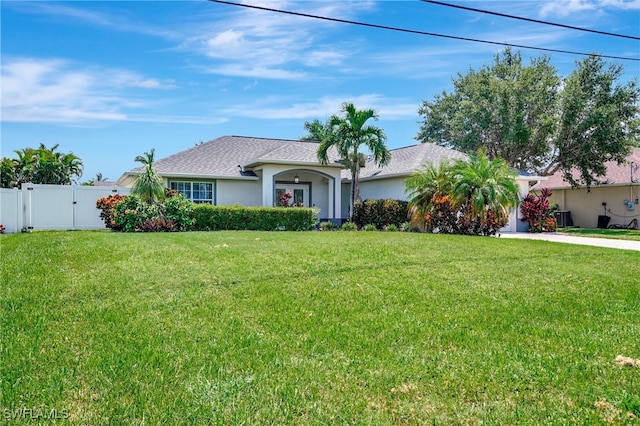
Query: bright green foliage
x=148, y=184
x=7, y=173
x=349, y=226
x=536, y=120
x=348, y=134
x=40, y=165
x=471, y=196
x=482, y=186
x=218, y=218
x=316, y=328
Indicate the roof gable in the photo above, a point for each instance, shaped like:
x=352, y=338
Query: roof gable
x=405, y=161
x=221, y=157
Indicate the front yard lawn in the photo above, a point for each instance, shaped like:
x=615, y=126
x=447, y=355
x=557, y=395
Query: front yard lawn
x=316, y=328
x=617, y=234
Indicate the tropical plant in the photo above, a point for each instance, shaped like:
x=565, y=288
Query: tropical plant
x=485, y=190
x=471, y=196
x=538, y=212
x=41, y=165
x=426, y=188
x=98, y=178
x=348, y=133
x=537, y=120
x=7, y=173
x=148, y=184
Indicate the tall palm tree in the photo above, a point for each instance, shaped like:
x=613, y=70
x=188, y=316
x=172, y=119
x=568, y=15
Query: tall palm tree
x=148, y=184
x=348, y=133
x=483, y=186
x=424, y=187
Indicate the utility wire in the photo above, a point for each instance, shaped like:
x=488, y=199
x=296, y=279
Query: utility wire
x=530, y=19
x=405, y=30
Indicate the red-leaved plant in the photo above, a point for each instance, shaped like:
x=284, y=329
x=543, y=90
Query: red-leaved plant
x=537, y=211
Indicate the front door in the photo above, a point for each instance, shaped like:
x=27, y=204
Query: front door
x=299, y=194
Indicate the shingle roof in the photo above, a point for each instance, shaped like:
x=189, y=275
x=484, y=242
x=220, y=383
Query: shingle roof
x=405, y=160
x=617, y=174
x=220, y=157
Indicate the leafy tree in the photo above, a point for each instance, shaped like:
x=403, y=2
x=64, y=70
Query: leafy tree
x=536, y=120
x=347, y=133
x=42, y=165
x=466, y=197
x=7, y=173
x=148, y=184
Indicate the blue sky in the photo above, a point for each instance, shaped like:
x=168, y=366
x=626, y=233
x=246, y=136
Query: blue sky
x=111, y=80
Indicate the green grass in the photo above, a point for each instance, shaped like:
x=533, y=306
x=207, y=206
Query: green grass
x=617, y=234
x=316, y=328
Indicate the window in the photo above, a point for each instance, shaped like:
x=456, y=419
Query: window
x=198, y=192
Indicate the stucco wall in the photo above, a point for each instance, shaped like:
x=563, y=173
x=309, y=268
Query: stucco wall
x=387, y=188
x=246, y=193
x=585, y=207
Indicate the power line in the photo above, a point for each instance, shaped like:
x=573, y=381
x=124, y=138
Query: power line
x=530, y=19
x=405, y=30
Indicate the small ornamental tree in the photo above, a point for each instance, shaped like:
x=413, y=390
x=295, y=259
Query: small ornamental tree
x=538, y=212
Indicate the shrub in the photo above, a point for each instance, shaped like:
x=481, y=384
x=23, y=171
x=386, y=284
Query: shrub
x=369, y=227
x=218, y=218
x=408, y=227
x=349, y=226
x=129, y=213
x=380, y=212
x=391, y=228
x=537, y=211
x=105, y=205
x=328, y=226
x=178, y=213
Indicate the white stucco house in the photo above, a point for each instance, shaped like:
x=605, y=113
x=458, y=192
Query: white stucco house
x=253, y=171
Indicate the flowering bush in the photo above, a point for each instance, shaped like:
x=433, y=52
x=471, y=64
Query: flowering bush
x=537, y=211
x=2, y=228
x=130, y=213
x=106, y=204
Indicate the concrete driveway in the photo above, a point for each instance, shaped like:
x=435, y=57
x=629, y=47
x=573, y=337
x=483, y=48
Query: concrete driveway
x=569, y=239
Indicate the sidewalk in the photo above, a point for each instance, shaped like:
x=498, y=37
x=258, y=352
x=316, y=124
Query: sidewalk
x=568, y=239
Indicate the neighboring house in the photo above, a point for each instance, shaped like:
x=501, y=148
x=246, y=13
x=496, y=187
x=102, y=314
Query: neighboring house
x=616, y=195
x=253, y=171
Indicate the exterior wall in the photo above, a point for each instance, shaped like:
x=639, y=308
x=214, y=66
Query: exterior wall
x=246, y=193
x=585, y=207
x=383, y=188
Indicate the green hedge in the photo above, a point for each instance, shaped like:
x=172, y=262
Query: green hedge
x=219, y=218
x=380, y=213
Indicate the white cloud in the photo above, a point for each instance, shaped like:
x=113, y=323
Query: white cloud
x=263, y=44
x=57, y=91
x=282, y=108
x=563, y=8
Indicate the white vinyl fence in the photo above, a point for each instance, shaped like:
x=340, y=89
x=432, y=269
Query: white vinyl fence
x=40, y=207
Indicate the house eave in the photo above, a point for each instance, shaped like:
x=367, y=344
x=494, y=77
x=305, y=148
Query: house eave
x=602, y=185
x=261, y=162
x=199, y=176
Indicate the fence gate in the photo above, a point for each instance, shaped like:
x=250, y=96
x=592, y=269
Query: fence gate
x=64, y=206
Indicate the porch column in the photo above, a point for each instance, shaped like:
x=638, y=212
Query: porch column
x=267, y=187
x=330, y=199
